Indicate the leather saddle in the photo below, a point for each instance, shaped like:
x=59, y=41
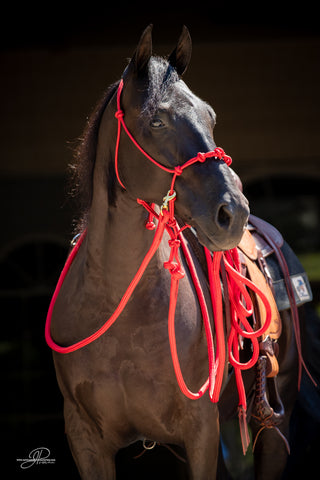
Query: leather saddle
x=283, y=281
x=270, y=263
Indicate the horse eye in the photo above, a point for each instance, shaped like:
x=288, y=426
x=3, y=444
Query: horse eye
x=157, y=123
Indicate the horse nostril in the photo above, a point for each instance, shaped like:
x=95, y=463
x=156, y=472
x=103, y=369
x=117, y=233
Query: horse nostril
x=224, y=217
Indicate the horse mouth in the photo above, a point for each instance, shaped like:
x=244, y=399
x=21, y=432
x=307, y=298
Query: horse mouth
x=215, y=244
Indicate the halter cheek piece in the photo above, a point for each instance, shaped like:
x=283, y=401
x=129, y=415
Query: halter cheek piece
x=218, y=153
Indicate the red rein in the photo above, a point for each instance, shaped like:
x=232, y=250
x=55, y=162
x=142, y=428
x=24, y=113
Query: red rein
x=240, y=302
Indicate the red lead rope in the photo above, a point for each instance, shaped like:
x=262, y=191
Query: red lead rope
x=241, y=308
x=240, y=302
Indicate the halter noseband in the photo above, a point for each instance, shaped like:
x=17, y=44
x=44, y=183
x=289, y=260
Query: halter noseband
x=218, y=153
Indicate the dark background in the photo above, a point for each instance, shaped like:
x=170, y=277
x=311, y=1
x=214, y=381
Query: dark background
x=256, y=64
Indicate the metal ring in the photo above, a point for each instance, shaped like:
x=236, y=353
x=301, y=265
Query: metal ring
x=150, y=446
x=75, y=239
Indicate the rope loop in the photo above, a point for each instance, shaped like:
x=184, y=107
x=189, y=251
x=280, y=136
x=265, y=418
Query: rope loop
x=228, y=160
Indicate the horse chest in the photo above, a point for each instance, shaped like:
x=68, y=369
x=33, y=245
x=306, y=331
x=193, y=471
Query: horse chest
x=148, y=332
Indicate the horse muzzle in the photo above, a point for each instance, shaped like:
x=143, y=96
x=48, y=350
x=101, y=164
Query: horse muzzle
x=223, y=228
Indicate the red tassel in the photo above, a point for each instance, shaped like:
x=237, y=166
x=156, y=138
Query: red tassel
x=150, y=225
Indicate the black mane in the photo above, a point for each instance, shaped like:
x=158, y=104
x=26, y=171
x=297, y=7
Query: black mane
x=85, y=156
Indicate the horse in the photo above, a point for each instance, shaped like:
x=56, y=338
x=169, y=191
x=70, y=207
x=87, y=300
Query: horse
x=121, y=387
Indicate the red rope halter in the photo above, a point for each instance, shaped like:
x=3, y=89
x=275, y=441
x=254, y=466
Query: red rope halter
x=240, y=302
x=217, y=153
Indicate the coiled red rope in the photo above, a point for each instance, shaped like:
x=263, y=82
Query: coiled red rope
x=240, y=302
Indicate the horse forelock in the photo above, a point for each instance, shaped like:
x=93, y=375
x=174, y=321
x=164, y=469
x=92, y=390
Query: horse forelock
x=161, y=76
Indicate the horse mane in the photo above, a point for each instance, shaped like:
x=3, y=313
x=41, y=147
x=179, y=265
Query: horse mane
x=81, y=178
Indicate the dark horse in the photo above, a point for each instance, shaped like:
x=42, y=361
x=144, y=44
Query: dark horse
x=122, y=388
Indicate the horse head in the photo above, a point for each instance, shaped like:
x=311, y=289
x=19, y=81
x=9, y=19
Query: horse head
x=173, y=125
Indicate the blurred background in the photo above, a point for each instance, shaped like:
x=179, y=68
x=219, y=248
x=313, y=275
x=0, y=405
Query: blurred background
x=257, y=65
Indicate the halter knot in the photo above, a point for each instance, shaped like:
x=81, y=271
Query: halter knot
x=119, y=114
x=178, y=170
x=150, y=225
x=220, y=153
x=171, y=222
x=174, y=242
x=174, y=270
x=202, y=157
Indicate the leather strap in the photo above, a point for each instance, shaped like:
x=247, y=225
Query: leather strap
x=250, y=254
x=274, y=331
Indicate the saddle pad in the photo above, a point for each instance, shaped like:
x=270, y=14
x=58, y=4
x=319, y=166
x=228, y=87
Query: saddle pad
x=298, y=276
x=301, y=287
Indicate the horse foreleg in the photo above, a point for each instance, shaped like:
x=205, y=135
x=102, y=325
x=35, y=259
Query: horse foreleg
x=202, y=444
x=94, y=460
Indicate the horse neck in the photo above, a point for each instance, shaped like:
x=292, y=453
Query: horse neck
x=117, y=240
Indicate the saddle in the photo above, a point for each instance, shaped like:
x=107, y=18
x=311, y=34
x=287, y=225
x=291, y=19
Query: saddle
x=286, y=286
x=271, y=265
x=262, y=262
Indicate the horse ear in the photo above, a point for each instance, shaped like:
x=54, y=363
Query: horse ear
x=143, y=51
x=181, y=55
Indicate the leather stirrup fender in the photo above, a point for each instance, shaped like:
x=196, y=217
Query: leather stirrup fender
x=274, y=331
x=250, y=254
x=248, y=247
